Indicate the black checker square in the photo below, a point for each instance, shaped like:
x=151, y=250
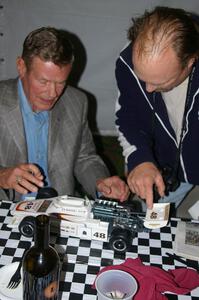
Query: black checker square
x=15, y=235
x=61, y=240
x=93, y=270
x=166, y=244
x=82, y=259
x=143, y=242
x=5, y=205
x=154, y=235
x=166, y=229
x=85, y=243
x=25, y=244
x=68, y=267
x=96, y=252
x=3, y=242
x=74, y=296
x=157, y=265
x=155, y=251
x=5, y=227
x=89, y=290
x=71, y=250
x=9, y=251
x=145, y=258
x=173, y=223
x=119, y=256
x=192, y=264
x=166, y=260
x=106, y=261
x=133, y=249
x=78, y=277
x=106, y=246
x=172, y=297
x=2, y=218
x=64, y=286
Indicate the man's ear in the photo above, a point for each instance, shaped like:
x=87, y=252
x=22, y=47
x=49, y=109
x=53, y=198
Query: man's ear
x=21, y=67
x=191, y=62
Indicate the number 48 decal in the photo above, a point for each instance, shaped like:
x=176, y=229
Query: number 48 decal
x=100, y=235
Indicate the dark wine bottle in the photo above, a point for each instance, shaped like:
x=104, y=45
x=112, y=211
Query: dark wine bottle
x=41, y=265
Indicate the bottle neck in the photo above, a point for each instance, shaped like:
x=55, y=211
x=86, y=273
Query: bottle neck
x=42, y=231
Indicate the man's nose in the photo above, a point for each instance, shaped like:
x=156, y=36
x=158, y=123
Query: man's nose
x=150, y=88
x=52, y=90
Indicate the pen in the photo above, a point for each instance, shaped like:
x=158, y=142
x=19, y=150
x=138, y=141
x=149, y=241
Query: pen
x=176, y=257
x=189, y=220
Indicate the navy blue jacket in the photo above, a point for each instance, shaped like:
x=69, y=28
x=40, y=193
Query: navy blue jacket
x=145, y=131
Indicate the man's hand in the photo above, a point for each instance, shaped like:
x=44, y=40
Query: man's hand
x=141, y=180
x=22, y=178
x=113, y=187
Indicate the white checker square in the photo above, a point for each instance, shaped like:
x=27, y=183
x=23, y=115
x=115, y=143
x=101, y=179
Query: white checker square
x=89, y=297
x=77, y=287
x=166, y=237
x=94, y=261
x=19, y=252
x=4, y=234
x=80, y=268
x=135, y=241
x=90, y=278
x=144, y=235
x=5, y=259
x=12, y=243
x=155, y=259
x=1, y=250
x=3, y=212
x=118, y=261
x=65, y=296
x=83, y=251
x=143, y=250
x=195, y=292
x=8, y=220
x=183, y=297
x=73, y=242
x=155, y=243
x=96, y=244
x=107, y=254
x=69, y=276
x=131, y=255
x=168, y=267
x=71, y=258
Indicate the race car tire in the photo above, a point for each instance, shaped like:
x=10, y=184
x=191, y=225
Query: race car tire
x=27, y=226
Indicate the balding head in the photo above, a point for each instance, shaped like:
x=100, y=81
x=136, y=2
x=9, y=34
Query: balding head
x=162, y=28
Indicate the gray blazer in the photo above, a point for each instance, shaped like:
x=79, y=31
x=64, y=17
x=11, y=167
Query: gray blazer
x=71, y=151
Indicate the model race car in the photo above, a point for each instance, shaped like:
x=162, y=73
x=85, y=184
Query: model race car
x=99, y=219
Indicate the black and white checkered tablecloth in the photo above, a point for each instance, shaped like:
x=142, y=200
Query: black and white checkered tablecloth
x=82, y=259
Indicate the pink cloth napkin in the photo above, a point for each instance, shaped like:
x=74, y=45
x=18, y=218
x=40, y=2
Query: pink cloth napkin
x=153, y=281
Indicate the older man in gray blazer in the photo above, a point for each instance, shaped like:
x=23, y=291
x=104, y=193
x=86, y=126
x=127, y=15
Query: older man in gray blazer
x=44, y=134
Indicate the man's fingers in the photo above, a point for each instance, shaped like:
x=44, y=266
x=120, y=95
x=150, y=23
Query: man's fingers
x=23, y=185
x=102, y=187
x=27, y=177
x=32, y=169
x=160, y=186
x=149, y=198
x=113, y=187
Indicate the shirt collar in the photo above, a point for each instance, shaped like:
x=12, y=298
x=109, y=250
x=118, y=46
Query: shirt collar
x=24, y=104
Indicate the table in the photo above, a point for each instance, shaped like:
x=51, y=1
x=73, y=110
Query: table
x=82, y=259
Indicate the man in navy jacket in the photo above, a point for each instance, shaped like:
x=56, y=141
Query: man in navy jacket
x=158, y=106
